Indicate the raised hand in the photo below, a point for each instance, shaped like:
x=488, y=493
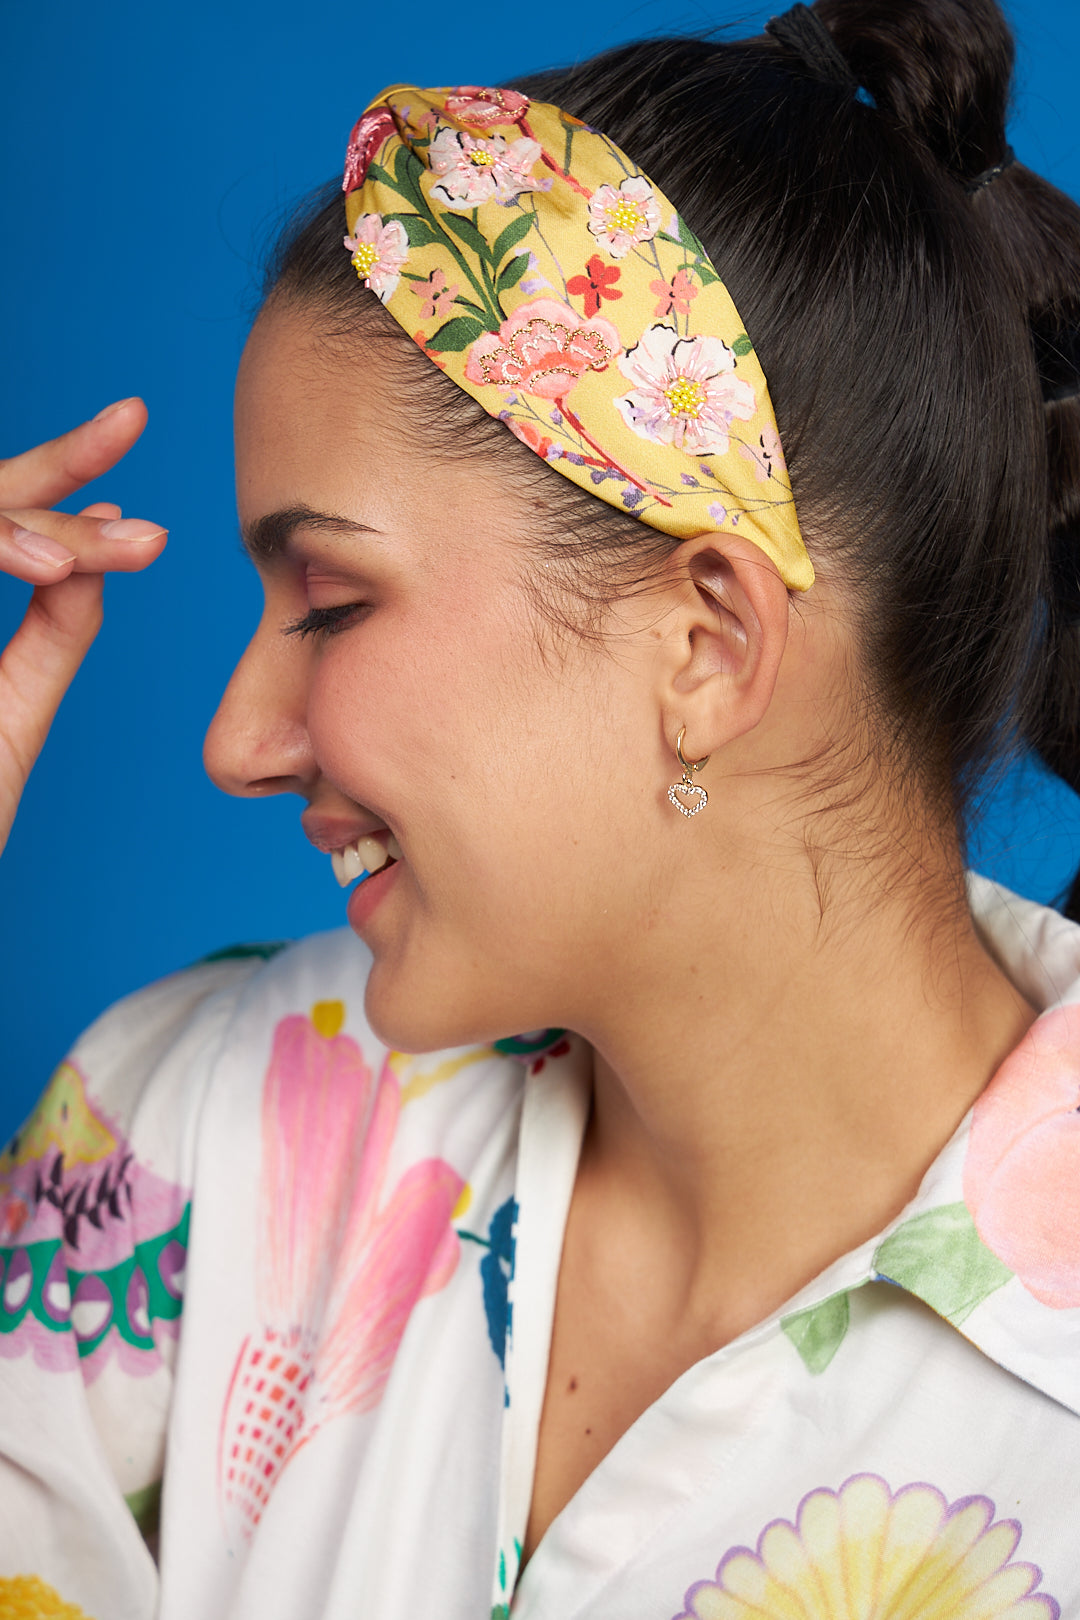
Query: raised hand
x=64, y=558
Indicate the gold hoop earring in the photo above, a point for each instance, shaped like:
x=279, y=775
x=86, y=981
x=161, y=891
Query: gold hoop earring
x=688, y=796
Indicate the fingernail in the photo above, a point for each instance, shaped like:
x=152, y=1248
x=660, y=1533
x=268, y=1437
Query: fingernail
x=41, y=548
x=130, y=529
x=117, y=405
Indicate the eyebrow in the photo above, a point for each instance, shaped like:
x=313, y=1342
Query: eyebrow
x=268, y=537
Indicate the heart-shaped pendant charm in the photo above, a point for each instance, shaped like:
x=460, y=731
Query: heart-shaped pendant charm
x=688, y=797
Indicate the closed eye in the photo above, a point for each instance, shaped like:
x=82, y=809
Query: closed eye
x=326, y=621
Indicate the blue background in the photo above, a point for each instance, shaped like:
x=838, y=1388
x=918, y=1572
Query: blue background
x=148, y=154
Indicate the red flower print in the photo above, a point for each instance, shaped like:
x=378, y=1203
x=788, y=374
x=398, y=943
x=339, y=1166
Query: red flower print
x=674, y=294
x=368, y=135
x=421, y=343
x=530, y=435
x=597, y=282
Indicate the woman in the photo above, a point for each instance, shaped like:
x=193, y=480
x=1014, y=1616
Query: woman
x=745, y=1283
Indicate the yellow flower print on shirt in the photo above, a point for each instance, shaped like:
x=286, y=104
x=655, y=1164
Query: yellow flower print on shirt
x=26, y=1597
x=863, y=1553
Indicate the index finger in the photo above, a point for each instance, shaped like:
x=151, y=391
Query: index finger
x=48, y=472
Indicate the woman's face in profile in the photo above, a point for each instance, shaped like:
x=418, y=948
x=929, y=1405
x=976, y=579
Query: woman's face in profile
x=402, y=678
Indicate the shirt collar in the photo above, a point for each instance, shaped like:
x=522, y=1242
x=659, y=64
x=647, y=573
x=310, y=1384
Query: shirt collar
x=991, y=1241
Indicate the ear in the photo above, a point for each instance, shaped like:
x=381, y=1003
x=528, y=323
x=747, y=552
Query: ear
x=725, y=640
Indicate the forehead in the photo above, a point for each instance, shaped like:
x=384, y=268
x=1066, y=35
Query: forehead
x=320, y=427
x=312, y=423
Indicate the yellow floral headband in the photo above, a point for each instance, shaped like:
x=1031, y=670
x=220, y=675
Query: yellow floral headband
x=559, y=287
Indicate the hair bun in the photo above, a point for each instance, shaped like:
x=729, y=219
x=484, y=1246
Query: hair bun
x=941, y=68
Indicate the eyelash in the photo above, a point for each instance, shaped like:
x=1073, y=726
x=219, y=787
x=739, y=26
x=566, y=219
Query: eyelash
x=327, y=621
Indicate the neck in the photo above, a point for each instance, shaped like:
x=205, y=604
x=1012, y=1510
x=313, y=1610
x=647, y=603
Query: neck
x=769, y=1096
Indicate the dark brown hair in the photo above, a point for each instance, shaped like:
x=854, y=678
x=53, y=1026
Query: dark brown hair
x=902, y=319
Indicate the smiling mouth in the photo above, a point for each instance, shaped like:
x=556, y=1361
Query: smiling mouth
x=364, y=858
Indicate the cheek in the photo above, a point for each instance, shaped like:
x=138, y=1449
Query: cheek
x=413, y=710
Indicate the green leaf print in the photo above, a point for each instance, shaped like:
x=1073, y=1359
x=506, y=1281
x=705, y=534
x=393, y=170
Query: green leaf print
x=513, y=273
x=941, y=1258
x=456, y=335
x=419, y=230
x=466, y=232
x=818, y=1333
x=406, y=173
x=742, y=345
x=511, y=236
x=501, y=1611
x=689, y=240
x=238, y=953
x=145, y=1506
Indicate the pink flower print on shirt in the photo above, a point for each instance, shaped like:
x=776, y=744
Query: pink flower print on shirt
x=379, y=252
x=369, y=133
x=686, y=393
x=472, y=170
x=1022, y=1171
x=485, y=108
x=343, y=1260
x=543, y=349
x=622, y=217
x=434, y=294
x=674, y=294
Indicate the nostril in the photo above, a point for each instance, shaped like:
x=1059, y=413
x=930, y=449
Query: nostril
x=266, y=785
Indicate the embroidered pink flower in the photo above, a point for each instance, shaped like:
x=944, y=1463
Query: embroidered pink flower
x=674, y=294
x=484, y=108
x=471, y=169
x=369, y=133
x=598, y=282
x=686, y=393
x=543, y=349
x=378, y=252
x=621, y=218
x=1022, y=1172
x=434, y=294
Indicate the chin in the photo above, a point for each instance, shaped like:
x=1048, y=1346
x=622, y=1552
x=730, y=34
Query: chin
x=411, y=1014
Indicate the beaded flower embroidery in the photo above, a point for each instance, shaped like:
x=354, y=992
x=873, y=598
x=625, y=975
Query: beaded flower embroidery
x=558, y=286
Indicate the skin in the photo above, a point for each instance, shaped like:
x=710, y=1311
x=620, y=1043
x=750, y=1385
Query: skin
x=788, y=1004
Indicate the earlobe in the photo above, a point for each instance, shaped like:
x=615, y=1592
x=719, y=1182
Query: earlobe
x=731, y=635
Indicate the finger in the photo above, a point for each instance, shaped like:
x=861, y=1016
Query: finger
x=50, y=471
x=101, y=509
x=36, y=669
x=42, y=547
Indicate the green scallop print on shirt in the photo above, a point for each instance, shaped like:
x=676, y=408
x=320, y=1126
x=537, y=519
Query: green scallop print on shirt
x=239, y=953
x=144, y=1287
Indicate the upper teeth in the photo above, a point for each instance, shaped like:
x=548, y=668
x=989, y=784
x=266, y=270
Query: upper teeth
x=367, y=855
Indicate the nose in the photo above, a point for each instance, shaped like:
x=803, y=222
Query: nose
x=258, y=742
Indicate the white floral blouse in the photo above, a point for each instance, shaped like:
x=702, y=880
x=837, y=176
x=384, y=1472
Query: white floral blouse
x=309, y=1284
